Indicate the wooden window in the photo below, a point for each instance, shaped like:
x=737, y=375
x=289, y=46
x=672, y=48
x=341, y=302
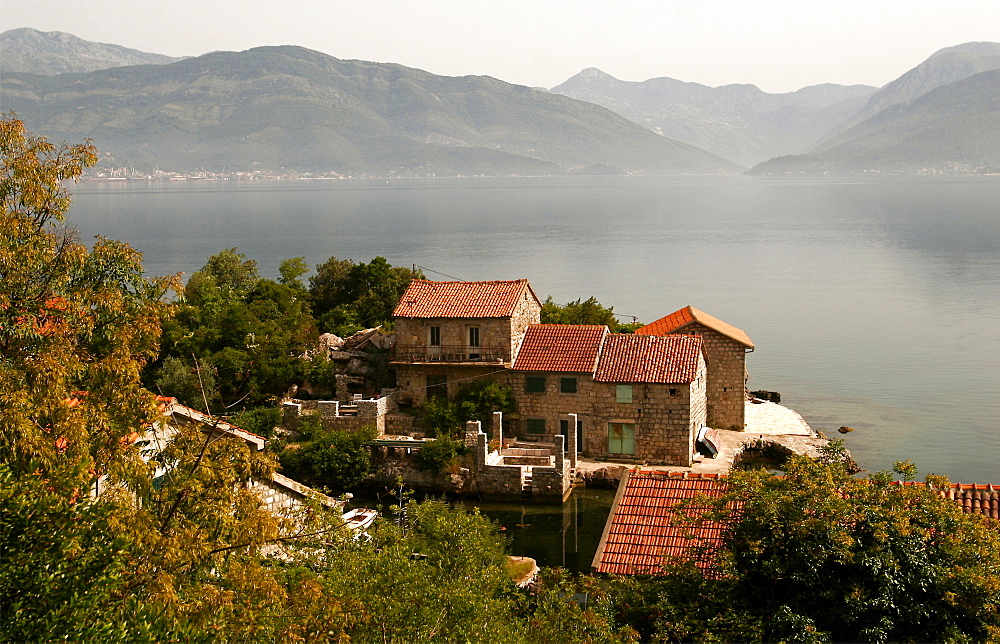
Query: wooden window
x=435, y=336
x=535, y=425
x=623, y=393
x=474, y=352
x=621, y=438
x=534, y=384
x=567, y=385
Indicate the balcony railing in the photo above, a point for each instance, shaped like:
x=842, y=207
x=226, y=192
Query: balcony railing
x=448, y=353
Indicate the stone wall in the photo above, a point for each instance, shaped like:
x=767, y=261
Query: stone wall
x=727, y=377
x=400, y=425
x=412, y=379
x=493, y=332
x=283, y=497
x=364, y=413
x=666, y=416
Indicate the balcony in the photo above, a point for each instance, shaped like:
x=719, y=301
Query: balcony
x=448, y=354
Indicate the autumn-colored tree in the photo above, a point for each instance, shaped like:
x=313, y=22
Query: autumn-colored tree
x=176, y=528
x=76, y=325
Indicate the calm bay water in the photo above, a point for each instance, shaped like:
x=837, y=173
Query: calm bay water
x=873, y=303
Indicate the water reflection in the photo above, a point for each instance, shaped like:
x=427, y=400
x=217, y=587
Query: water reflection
x=564, y=535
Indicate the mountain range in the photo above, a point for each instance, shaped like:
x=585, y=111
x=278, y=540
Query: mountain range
x=738, y=122
x=292, y=109
x=57, y=52
x=288, y=108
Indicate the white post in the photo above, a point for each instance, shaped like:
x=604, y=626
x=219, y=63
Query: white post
x=573, y=447
x=497, y=433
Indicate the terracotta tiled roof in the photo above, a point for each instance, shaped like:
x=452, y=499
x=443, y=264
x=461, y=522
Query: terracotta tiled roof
x=561, y=347
x=426, y=299
x=641, y=530
x=973, y=498
x=643, y=358
x=677, y=320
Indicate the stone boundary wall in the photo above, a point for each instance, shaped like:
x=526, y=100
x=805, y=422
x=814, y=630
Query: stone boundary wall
x=283, y=497
x=370, y=412
x=509, y=479
x=400, y=425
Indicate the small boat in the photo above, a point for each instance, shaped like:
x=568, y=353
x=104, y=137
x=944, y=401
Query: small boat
x=359, y=519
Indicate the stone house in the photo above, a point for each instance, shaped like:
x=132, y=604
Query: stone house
x=633, y=397
x=725, y=349
x=643, y=397
x=450, y=332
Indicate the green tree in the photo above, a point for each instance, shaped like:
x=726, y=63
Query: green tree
x=348, y=297
x=478, y=399
x=587, y=311
x=438, y=575
x=252, y=332
x=291, y=270
x=336, y=460
x=819, y=555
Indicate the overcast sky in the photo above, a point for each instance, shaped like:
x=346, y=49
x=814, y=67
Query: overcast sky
x=778, y=45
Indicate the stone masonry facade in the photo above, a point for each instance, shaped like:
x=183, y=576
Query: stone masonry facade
x=419, y=364
x=666, y=417
x=727, y=377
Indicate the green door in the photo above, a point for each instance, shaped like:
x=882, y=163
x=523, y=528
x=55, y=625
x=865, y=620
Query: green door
x=621, y=438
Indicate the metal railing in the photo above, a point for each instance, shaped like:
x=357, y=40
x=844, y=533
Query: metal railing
x=448, y=353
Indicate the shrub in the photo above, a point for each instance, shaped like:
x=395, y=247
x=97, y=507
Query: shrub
x=478, y=400
x=440, y=418
x=336, y=460
x=438, y=455
x=261, y=420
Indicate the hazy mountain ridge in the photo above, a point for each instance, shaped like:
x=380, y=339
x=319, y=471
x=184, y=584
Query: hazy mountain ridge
x=954, y=127
x=738, y=122
x=57, y=52
x=292, y=108
x=942, y=68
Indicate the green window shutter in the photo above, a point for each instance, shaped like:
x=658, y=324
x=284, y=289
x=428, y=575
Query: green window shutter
x=567, y=385
x=535, y=425
x=534, y=384
x=623, y=393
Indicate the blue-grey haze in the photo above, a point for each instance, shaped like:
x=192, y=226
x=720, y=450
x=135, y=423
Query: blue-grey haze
x=873, y=303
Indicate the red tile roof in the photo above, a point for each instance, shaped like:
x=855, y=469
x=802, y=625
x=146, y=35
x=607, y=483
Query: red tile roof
x=498, y=299
x=973, y=498
x=677, y=320
x=643, y=358
x=561, y=347
x=643, y=528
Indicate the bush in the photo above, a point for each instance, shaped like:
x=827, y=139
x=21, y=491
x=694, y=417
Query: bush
x=440, y=417
x=336, y=460
x=478, y=400
x=438, y=455
x=261, y=420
